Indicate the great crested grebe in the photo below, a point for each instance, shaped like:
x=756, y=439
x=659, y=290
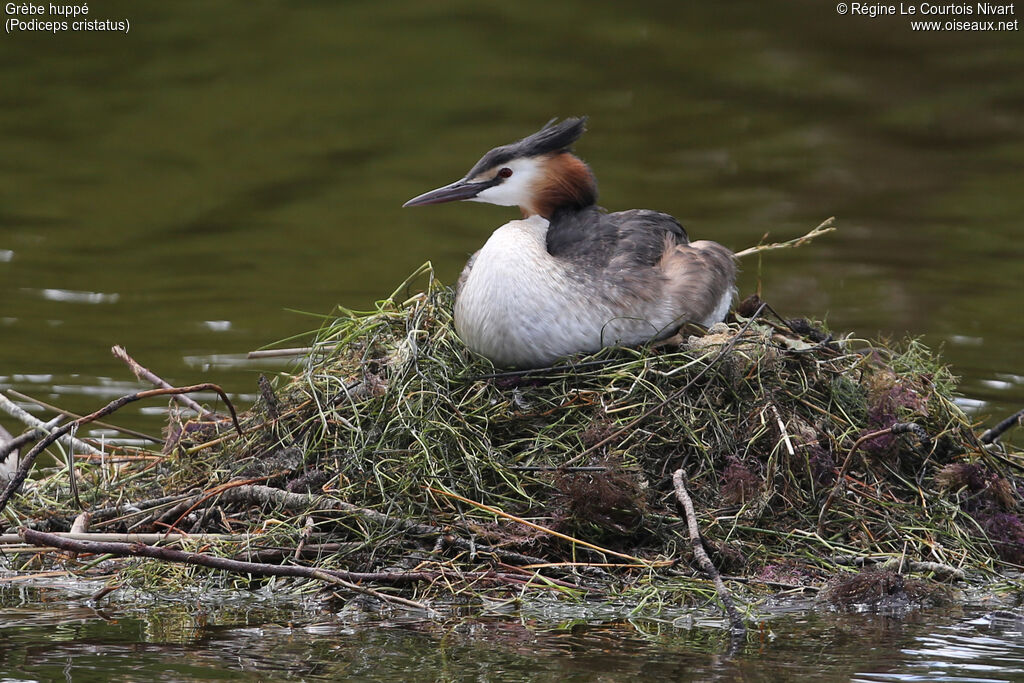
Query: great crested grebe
x=569, y=277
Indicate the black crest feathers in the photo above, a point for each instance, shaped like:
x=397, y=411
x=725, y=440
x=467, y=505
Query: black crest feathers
x=551, y=139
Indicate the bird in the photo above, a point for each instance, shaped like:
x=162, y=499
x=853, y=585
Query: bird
x=569, y=277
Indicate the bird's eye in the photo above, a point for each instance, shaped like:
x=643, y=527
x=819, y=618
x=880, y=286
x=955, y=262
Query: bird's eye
x=505, y=172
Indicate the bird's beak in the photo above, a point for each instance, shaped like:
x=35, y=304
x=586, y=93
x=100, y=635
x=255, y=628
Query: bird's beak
x=460, y=189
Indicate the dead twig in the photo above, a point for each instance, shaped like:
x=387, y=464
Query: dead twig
x=212, y=493
x=68, y=442
x=106, y=516
x=991, y=435
x=104, y=592
x=81, y=523
x=825, y=227
x=307, y=531
x=98, y=423
x=9, y=444
x=339, y=578
x=149, y=376
x=737, y=625
x=148, y=539
x=26, y=464
x=280, y=353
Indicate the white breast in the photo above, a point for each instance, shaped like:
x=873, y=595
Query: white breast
x=522, y=307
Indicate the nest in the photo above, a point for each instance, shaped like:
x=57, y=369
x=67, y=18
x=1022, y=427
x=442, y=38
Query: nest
x=393, y=451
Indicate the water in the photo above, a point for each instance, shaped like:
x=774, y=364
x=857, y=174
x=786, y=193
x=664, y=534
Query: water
x=52, y=633
x=185, y=188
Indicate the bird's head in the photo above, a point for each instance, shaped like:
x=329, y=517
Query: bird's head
x=539, y=174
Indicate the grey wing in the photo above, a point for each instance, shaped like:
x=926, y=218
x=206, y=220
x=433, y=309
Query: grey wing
x=595, y=239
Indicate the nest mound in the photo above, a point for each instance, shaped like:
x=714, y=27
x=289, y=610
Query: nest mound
x=392, y=450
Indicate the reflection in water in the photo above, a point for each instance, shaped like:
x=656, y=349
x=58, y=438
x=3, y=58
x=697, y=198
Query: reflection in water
x=225, y=636
x=78, y=297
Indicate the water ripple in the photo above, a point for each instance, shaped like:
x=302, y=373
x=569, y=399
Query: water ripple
x=75, y=296
x=987, y=649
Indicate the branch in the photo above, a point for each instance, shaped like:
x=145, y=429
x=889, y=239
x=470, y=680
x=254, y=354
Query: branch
x=26, y=464
x=148, y=539
x=336, y=577
x=735, y=620
x=991, y=435
x=68, y=442
x=66, y=413
x=12, y=444
x=145, y=374
x=280, y=353
x=343, y=578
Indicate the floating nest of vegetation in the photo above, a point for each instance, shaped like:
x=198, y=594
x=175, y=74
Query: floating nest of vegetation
x=392, y=461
